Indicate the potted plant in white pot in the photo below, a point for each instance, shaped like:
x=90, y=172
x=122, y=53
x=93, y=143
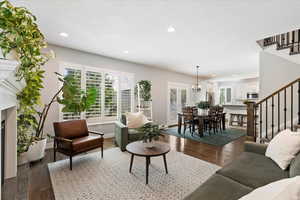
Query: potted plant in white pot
x=73, y=99
x=203, y=107
x=21, y=39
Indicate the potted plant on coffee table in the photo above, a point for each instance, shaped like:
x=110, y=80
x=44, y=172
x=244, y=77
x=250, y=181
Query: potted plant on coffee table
x=150, y=133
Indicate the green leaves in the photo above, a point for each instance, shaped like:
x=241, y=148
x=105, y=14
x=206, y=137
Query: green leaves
x=150, y=132
x=145, y=89
x=73, y=98
x=19, y=34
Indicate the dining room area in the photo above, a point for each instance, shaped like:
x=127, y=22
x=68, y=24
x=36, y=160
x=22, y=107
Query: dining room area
x=206, y=123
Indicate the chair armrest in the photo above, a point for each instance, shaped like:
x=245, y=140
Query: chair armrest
x=121, y=135
x=255, y=148
x=60, y=139
x=97, y=133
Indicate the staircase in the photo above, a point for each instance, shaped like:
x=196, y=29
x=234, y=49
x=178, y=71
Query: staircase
x=276, y=112
x=287, y=40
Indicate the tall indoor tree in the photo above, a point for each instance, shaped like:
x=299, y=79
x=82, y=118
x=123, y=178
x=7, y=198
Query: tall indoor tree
x=20, y=35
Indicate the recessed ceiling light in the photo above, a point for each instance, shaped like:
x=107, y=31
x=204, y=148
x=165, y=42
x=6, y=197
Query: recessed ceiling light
x=171, y=29
x=63, y=34
x=126, y=52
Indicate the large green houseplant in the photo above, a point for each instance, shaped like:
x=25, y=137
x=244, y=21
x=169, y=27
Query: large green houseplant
x=21, y=36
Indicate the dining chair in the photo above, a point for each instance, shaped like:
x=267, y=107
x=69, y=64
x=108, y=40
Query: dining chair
x=189, y=118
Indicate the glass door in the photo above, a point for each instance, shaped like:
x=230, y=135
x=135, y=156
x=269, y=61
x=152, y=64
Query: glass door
x=177, y=99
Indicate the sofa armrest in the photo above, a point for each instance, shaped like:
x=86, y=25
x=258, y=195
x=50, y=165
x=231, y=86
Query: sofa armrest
x=121, y=135
x=255, y=148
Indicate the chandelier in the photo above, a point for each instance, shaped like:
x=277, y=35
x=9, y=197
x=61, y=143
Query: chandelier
x=196, y=88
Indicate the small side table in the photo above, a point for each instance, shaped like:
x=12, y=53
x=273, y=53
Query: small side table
x=139, y=149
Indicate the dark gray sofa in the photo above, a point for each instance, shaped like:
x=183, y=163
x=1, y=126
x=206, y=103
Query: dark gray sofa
x=251, y=170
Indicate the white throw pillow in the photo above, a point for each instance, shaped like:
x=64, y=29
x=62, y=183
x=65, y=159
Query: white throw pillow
x=283, y=148
x=285, y=189
x=136, y=120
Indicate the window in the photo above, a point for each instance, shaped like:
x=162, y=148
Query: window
x=225, y=95
x=76, y=75
x=115, y=92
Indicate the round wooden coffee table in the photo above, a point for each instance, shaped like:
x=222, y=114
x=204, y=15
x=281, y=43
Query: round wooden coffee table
x=139, y=149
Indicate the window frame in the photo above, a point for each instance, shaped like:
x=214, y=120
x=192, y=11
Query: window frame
x=103, y=71
x=225, y=95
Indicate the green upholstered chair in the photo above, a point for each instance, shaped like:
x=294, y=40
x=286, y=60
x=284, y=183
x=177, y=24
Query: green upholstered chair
x=125, y=135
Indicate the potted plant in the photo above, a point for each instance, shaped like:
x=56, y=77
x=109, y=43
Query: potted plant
x=150, y=133
x=144, y=89
x=203, y=107
x=74, y=100
x=21, y=40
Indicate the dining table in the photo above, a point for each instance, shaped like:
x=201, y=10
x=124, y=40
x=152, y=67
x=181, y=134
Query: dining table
x=200, y=118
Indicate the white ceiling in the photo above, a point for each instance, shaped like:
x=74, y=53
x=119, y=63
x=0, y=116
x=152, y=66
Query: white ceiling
x=220, y=36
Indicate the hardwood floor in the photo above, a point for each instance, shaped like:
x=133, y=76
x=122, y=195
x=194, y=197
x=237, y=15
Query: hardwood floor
x=33, y=182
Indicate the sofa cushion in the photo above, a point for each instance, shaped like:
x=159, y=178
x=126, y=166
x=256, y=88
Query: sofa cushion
x=285, y=189
x=219, y=187
x=253, y=170
x=295, y=166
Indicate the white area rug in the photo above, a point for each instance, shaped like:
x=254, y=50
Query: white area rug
x=94, y=178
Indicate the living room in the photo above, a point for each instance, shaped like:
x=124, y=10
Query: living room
x=115, y=100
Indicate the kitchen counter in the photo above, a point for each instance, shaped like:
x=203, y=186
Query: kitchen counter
x=234, y=105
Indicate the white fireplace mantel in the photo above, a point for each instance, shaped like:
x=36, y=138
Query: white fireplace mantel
x=9, y=87
x=8, y=84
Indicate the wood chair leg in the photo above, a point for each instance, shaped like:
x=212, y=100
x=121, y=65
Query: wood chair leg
x=54, y=151
x=54, y=154
x=102, y=151
x=71, y=163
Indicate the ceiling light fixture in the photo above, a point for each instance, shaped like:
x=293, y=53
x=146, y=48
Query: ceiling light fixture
x=126, y=52
x=171, y=29
x=196, y=88
x=63, y=34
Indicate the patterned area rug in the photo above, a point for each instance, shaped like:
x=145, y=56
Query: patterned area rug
x=94, y=178
x=216, y=139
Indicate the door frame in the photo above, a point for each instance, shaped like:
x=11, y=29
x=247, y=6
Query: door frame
x=177, y=86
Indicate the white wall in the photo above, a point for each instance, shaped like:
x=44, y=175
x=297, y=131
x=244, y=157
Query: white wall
x=159, y=79
x=276, y=72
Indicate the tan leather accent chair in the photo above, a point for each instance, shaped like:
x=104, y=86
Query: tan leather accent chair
x=73, y=137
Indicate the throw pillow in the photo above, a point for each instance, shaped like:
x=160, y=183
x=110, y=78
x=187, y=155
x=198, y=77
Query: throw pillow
x=283, y=148
x=285, y=189
x=136, y=120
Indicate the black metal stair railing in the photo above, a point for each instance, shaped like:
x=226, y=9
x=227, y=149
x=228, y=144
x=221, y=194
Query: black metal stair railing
x=270, y=115
x=283, y=41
